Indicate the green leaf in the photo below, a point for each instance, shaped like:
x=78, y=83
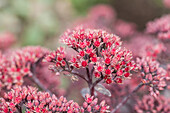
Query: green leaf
x=21, y=7
x=33, y=35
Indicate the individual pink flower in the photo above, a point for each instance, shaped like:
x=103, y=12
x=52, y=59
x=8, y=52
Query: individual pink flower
x=41, y=102
x=152, y=75
x=149, y=104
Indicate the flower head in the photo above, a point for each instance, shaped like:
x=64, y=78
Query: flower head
x=15, y=66
x=160, y=26
x=97, y=48
x=152, y=75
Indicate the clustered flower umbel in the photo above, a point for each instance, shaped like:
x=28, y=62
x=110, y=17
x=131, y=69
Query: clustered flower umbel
x=15, y=66
x=97, y=48
x=149, y=104
x=160, y=26
x=41, y=102
x=152, y=75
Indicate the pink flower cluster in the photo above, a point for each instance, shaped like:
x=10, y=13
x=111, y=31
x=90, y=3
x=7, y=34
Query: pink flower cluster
x=166, y=3
x=41, y=102
x=152, y=75
x=6, y=40
x=149, y=104
x=124, y=29
x=97, y=48
x=102, y=14
x=58, y=57
x=13, y=67
x=160, y=26
x=154, y=50
x=99, y=59
x=145, y=45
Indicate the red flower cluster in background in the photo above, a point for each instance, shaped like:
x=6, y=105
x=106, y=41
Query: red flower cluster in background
x=15, y=66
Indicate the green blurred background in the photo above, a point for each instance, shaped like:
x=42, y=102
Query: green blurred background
x=41, y=22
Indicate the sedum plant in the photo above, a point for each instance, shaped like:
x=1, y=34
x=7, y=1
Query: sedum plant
x=109, y=77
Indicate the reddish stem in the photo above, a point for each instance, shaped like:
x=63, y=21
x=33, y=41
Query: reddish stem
x=126, y=98
x=36, y=80
x=79, y=75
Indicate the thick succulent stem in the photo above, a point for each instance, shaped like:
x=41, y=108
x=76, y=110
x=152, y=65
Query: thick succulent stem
x=90, y=81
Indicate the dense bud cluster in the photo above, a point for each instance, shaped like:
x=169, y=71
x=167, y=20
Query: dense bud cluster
x=160, y=26
x=15, y=66
x=97, y=48
x=58, y=57
x=152, y=75
x=149, y=104
x=31, y=100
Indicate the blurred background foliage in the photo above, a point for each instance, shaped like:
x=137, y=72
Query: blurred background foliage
x=41, y=22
